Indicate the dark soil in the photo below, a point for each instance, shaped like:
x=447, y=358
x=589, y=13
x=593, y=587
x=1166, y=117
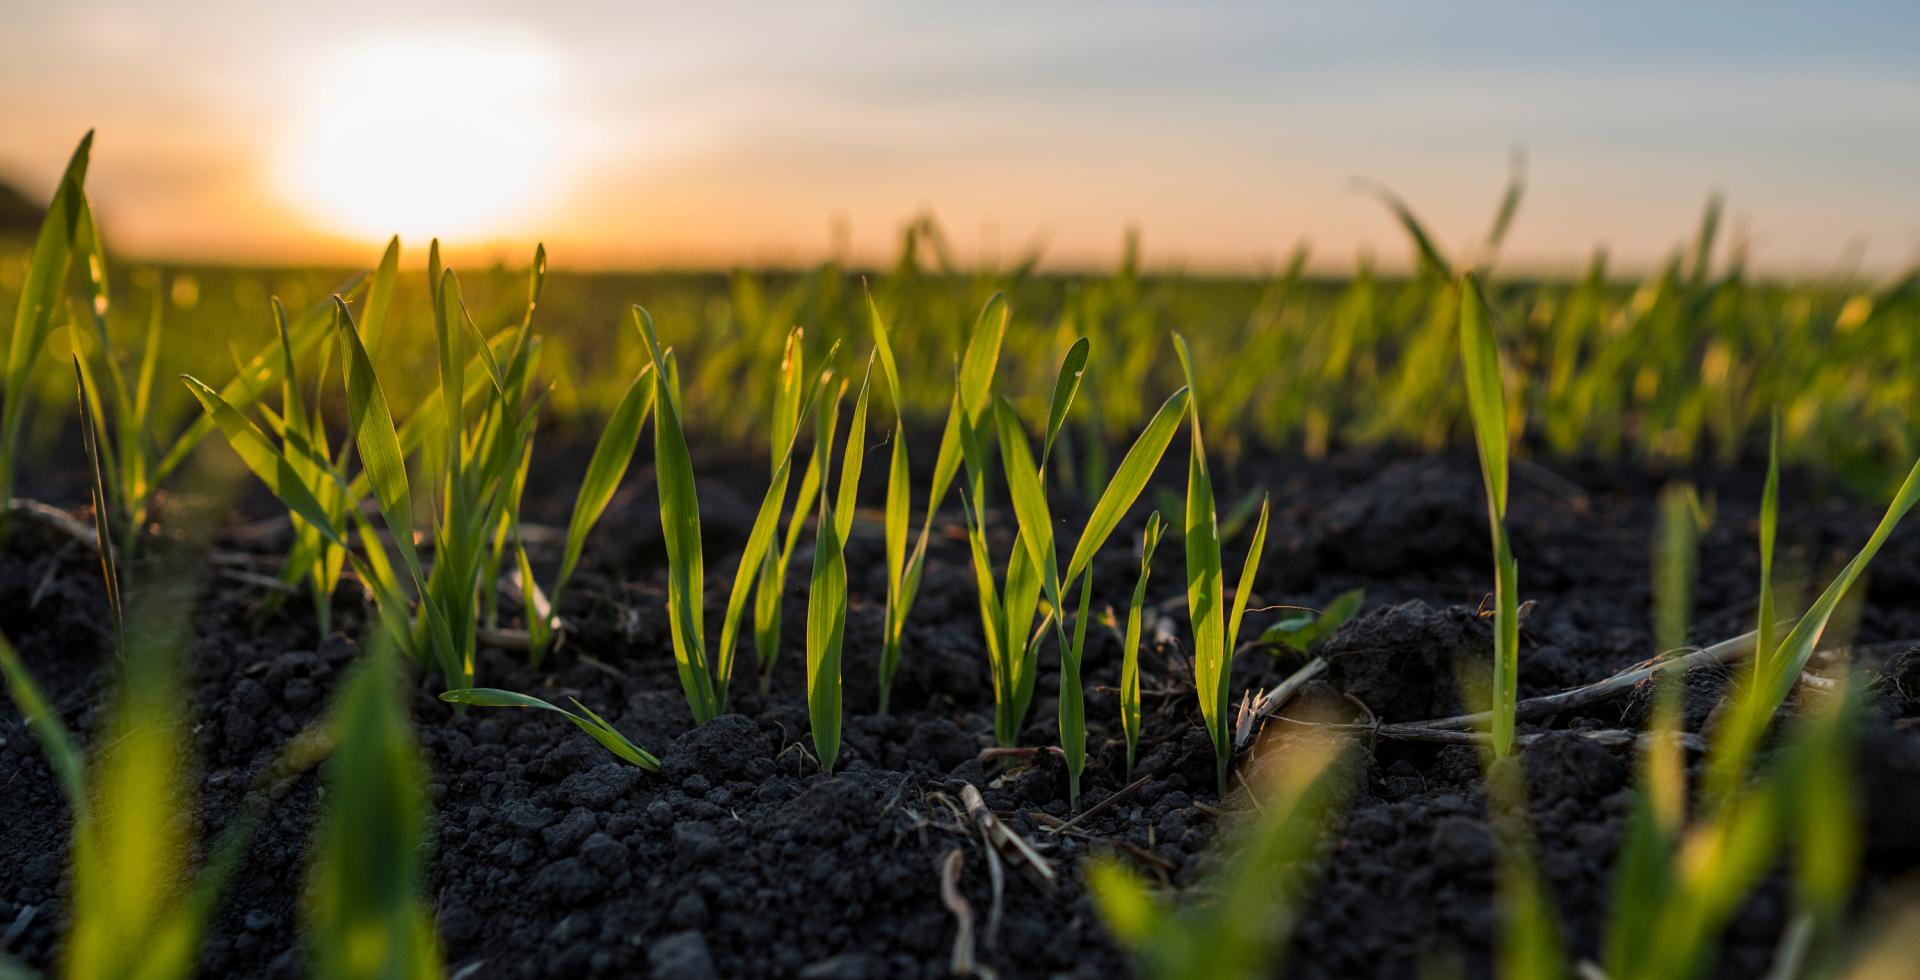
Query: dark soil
x=548, y=858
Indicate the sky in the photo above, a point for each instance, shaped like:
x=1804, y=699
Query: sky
x=715, y=133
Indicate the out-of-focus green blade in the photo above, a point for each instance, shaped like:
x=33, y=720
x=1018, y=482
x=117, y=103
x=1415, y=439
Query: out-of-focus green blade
x=1136, y=469
x=1769, y=533
x=1430, y=258
x=367, y=919
x=1509, y=206
x=63, y=756
x=1486, y=397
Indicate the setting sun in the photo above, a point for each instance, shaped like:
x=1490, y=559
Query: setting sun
x=425, y=135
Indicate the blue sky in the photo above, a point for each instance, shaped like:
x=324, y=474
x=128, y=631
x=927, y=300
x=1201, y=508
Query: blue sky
x=748, y=132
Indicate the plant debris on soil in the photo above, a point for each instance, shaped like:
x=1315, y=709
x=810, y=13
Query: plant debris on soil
x=547, y=858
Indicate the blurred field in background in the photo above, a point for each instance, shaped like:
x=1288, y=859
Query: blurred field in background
x=1683, y=364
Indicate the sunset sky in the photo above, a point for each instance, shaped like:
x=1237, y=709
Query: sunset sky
x=706, y=133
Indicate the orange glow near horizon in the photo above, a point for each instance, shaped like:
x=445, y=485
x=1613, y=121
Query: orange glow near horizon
x=703, y=135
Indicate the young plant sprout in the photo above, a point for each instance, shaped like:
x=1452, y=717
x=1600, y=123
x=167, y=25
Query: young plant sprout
x=1303, y=632
x=1214, y=634
x=904, y=568
x=1130, y=715
x=1026, y=484
x=703, y=678
x=585, y=719
x=1486, y=404
x=771, y=587
x=827, y=587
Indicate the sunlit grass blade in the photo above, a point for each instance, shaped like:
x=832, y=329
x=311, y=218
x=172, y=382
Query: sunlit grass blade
x=379, y=301
x=1130, y=715
x=102, y=534
x=827, y=588
x=585, y=719
x=761, y=574
x=383, y=462
x=366, y=916
x=1206, y=604
x=1243, y=591
x=1128, y=481
x=41, y=295
x=1644, y=876
x=899, y=505
x=1486, y=403
x=612, y=454
x=263, y=458
x=680, y=526
x=973, y=380
x=376, y=440
x=1073, y=370
x=308, y=329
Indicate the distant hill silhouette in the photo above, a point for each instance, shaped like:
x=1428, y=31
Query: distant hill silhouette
x=19, y=215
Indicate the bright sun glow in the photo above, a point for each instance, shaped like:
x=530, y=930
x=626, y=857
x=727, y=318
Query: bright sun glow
x=426, y=135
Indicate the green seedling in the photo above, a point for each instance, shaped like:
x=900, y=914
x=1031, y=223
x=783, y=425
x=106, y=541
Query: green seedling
x=1026, y=485
x=102, y=532
x=1303, y=632
x=827, y=587
x=1777, y=665
x=974, y=382
x=704, y=678
x=366, y=918
x=585, y=719
x=1214, y=634
x=1486, y=403
x=1643, y=875
x=770, y=590
x=1130, y=714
